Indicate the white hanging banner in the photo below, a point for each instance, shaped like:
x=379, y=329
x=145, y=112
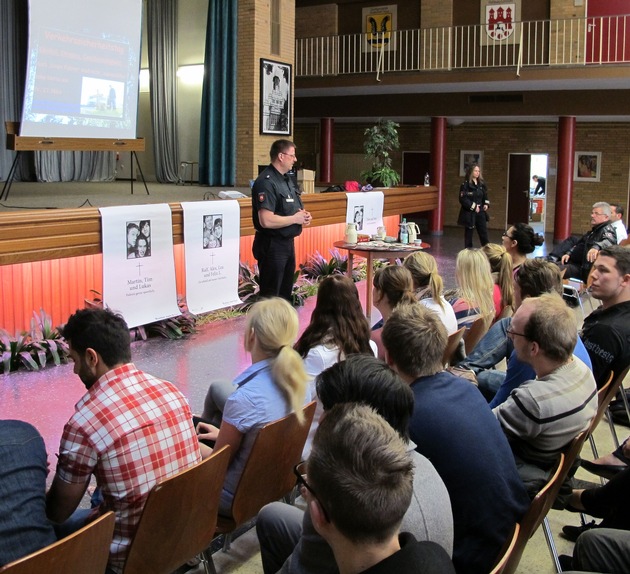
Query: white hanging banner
x=211, y=239
x=366, y=210
x=138, y=262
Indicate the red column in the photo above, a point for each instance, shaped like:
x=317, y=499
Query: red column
x=438, y=172
x=564, y=179
x=326, y=150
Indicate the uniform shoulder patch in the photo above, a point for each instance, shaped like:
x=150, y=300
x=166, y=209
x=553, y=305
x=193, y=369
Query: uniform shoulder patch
x=261, y=197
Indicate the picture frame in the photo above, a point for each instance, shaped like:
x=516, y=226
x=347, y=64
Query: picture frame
x=587, y=166
x=468, y=157
x=276, y=97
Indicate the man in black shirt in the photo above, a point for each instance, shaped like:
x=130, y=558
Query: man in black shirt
x=278, y=216
x=541, y=185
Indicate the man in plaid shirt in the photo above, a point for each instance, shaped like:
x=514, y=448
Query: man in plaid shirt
x=130, y=430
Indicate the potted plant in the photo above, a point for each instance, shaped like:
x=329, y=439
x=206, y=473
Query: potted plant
x=380, y=140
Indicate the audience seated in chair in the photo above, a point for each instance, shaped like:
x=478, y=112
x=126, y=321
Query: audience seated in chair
x=392, y=286
x=428, y=287
x=454, y=428
x=577, y=261
x=604, y=547
x=543, y=415
x=473, y=297
x=130, y=430
x=616, y=219
x=288, y=541
x=502, y=275
x=519, y=241
x=338, y=329
x=274, y=385
x=533, y=278
x=24, y=527
x=358, y=483
x=606, y=331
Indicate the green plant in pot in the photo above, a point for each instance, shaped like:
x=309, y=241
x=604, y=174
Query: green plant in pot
x=380, y=140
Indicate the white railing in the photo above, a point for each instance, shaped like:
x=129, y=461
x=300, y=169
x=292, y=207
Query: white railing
x=571, y=42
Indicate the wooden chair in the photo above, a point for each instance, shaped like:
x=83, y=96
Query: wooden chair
x=604, y=396
x=533, y=518
x=624, y=398
x=570, y=454
x=179, y=518
x=506, y=552
x=268, y=473
x=473, y=335
x=85, y=551
x=451, y=346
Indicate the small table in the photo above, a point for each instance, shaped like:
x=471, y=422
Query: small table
x=380, y=250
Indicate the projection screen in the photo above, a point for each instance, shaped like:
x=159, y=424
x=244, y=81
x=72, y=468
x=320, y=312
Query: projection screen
x=83, y=67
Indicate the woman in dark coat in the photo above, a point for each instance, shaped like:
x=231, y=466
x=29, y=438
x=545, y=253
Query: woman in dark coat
x=473, y=198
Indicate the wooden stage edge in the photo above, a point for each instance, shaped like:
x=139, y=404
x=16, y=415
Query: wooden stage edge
x=47, y=235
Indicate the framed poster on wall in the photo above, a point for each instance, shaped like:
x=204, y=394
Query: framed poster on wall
x=275, y=97
x=467, y=157
x=588, y=166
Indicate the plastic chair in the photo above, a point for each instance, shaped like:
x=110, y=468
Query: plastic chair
x=506, y=552
x=451, y=346
x=85, y=551
x=179, y=518
x=473, y=335
x=268, y=473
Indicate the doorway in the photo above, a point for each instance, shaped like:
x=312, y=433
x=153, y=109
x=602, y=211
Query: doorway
x=522, y=204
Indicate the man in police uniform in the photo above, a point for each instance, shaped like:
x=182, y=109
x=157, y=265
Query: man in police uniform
x=278, y=216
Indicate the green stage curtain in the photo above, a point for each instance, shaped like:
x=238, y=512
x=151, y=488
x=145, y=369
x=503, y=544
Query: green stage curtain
x=217, y=146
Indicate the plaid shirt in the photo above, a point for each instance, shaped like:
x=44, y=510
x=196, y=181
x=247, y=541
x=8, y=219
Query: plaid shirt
x=130, y=430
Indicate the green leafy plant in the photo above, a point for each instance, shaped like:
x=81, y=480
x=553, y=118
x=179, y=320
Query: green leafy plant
x=17, y=352
x=380, y=140
x=48, y=339
x=317, y=266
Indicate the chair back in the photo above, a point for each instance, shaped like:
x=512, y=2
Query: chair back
x=85, y=551
x=605, y=395
x=533, y=517
x=268, y=473
x=179, y=518
x=506, y=551
x=473, y=335
x=451, y=346
x=506, y=312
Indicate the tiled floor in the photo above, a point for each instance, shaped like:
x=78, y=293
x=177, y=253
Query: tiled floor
x=46, y=399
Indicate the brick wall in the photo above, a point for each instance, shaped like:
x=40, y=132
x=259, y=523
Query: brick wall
x=497, y=141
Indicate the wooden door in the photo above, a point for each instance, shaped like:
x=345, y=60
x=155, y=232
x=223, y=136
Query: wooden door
x=519, y=173
x=607, y=31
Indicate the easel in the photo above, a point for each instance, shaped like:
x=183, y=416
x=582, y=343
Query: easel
x=19, y=144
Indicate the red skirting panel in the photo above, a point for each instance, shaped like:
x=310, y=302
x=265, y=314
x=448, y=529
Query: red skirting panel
x=61, y=286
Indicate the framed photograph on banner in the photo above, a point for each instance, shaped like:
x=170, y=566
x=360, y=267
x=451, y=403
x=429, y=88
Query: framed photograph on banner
x=587, y=166
x=467, y=157
x=275, y=97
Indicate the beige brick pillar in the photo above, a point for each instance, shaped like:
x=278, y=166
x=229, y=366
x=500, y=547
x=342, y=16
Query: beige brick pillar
x=254, y=42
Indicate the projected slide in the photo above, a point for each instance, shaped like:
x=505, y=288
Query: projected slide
x=83, y=66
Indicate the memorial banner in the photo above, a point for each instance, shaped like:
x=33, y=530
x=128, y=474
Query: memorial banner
x=138, y=263
x=211, y=240
x=366, y=210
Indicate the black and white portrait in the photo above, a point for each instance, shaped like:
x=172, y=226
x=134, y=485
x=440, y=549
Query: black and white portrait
x=212, y=231
x=275, y=97
x=139, y=239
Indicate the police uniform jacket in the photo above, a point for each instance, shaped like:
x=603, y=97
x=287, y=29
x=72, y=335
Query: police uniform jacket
x=278, y=194
x=471, y=195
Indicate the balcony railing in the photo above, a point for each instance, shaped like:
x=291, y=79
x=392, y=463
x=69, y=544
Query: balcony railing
x=571, y=42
